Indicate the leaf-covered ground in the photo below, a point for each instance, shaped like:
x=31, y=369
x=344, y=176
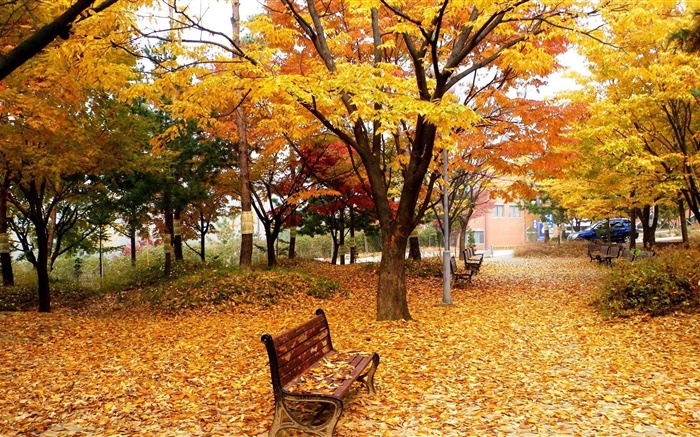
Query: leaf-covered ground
x=521, y=353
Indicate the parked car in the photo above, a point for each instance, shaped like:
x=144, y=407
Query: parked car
x=620, y=231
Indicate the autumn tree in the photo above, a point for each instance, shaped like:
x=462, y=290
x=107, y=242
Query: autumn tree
x=368, y=71
x=639, y=79
x=49, y=20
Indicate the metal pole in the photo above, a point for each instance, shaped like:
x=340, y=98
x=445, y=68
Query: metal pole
x=446, y=300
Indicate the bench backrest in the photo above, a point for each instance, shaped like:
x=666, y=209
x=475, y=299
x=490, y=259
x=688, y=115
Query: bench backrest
x=615, y=251
x=294, y=351
x=604, y=249
x=453, y=265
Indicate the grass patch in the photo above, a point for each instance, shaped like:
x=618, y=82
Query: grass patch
x=213, y=287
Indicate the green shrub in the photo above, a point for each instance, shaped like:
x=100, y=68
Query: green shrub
x=552, y=249
x=656, y=286
x=323, y=288
x=425, y=268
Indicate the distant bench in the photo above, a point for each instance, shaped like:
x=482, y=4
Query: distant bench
x=608, y=253
x=308, y=372
x=472, y=260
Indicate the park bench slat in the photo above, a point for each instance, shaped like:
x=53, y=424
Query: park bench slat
x=304, y=360
x=286, y=336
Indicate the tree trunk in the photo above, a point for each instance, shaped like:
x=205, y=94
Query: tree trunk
x=292, y=242
x=462, y=238
x=42, y=268
x=341, y=218
x=353, y=243
x=684, y=223
x=414, y=248
x=391, y=293
x=132, y=239
x=633, y=235
x=649, y=229
x=203, y=228
x=334, y=254
x=168, y=216
x=246, y=258
x=177, y=238
x=100, y=236
x=8, y=277
x=168, y=265
x=270, y=239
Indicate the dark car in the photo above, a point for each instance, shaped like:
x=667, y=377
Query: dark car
x=620, y=231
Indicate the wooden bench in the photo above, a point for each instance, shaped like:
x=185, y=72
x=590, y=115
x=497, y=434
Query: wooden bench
x=456, y=276
x=472, y=260
x=309, y=374
x=593, y=251
x=612, y=253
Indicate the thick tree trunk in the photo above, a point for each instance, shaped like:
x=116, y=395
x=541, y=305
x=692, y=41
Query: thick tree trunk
x=270, y=239
x=649, y=229
x=8, y=277
x=42, y=269
x=391, y=293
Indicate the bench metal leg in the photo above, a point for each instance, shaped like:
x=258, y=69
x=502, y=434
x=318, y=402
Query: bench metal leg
x=368, y=378
x=284, y=419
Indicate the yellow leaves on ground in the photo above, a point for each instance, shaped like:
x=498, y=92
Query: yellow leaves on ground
x=326, y=376
x=521, y=353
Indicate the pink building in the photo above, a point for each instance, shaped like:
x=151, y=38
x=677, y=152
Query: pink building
x=503, y=226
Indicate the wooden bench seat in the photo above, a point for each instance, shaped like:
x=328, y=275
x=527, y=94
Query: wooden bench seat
x=309, y=375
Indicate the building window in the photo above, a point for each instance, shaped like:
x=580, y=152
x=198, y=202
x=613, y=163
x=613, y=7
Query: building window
x=478, y=237
x=514, y=211
x=498, y=211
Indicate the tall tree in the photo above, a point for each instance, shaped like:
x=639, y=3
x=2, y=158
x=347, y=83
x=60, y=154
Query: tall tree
x=399, y=76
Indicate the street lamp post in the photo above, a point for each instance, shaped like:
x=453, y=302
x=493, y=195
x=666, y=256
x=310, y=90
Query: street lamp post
x=446, y=300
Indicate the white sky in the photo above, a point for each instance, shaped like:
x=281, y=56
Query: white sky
x=216, y=15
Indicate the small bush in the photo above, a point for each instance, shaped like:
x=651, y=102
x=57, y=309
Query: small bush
x=552, y=249
x=425, y=268
x=656, y=286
